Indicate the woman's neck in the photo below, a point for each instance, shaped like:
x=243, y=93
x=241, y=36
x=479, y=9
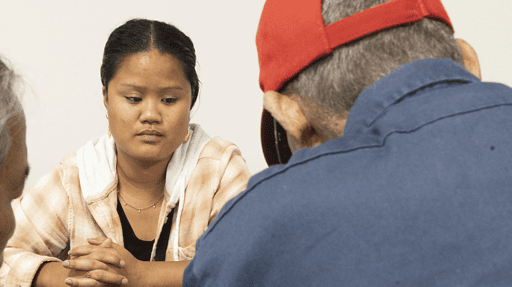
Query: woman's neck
x=141, y=180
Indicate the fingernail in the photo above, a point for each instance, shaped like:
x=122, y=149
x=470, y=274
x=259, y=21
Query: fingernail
x=125, y=281
x=67, y=281
x=65, y=264
x=122, y=263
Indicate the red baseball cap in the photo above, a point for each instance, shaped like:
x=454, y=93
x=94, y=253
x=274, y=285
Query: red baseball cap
x=292, y=35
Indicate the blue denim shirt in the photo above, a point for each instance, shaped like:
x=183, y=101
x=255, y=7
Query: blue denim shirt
x=416, y=193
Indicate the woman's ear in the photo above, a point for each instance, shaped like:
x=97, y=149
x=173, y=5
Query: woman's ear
x=470, y=58
x=105, y=97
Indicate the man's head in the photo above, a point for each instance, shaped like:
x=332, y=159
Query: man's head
x=322, y=64
x=13, y=152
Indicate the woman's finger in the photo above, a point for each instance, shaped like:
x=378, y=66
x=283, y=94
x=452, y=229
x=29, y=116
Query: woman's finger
x=107, y=277
x=97, y=240
x=84, y=264
x=83, y=282
x=106, y=255
x=83, y=250
x=107, y=243
x=108, y=258
x=86, y=261
x=88, y=249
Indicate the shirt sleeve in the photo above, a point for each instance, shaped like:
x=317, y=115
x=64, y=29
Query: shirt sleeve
x=41, y=233
x=234, y=179
x=221, y=173
x=234, y=176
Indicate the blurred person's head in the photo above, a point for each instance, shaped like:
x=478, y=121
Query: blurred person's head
x=149, y=87
x=13, y=150
x=311, y=93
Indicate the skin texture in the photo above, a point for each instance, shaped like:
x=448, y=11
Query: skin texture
x=13, y=174
x=301, y=128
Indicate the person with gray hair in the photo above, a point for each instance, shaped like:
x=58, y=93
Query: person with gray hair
x=391, y=157
x=13, y=151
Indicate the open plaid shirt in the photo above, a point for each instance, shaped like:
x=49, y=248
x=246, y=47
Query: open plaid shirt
x=53, y=217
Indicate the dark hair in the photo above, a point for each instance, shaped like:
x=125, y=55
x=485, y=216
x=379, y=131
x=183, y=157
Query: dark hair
x=139, y=35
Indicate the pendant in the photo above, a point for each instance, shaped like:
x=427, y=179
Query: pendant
x=154, y=206
x=139, y=210
x=125, y=204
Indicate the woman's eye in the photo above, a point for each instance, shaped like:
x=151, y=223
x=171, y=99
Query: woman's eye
x=133, y=99
x=169, y=100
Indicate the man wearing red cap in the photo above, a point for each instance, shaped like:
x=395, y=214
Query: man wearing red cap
x=401, y=170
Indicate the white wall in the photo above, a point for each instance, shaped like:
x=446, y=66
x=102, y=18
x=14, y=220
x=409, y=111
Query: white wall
x=57, y=46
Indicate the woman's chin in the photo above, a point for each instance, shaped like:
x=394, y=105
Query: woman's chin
x=151, y=155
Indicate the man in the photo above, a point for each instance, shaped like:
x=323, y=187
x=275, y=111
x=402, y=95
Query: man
x=408, y=181
x=13, y=152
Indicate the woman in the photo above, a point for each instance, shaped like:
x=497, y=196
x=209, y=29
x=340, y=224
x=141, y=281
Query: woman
x=152, y=185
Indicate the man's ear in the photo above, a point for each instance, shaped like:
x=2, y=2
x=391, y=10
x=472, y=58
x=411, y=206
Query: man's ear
x=286, y=110
x=470, y=58
x=105, y=97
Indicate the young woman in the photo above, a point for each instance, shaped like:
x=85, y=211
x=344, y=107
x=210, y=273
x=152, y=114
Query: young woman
x=152, y=185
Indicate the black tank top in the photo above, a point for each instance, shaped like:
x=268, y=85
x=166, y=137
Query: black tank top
x=141, y=249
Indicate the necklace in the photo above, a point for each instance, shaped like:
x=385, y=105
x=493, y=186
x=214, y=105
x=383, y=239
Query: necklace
x=140, y=208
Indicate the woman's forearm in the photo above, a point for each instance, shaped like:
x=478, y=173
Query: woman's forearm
x=51, y=274
x=161, y=273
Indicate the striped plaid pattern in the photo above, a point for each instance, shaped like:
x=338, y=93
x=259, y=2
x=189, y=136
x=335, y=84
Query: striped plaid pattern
x=53, y=217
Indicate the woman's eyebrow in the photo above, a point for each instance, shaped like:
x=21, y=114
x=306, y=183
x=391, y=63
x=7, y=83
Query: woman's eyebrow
x=142, y=89
x=135, y=87
x=171, y=88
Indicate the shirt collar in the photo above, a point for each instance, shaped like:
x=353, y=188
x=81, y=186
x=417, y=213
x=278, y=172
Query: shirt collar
x=401, y=82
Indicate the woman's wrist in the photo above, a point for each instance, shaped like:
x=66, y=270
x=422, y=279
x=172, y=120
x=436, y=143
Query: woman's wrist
x=160, y=273
x=51, y=274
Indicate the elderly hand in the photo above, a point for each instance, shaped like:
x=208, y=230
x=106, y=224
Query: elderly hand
x=97, y=265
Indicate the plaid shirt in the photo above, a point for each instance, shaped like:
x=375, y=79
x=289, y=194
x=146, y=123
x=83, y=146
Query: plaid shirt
x=53, y=217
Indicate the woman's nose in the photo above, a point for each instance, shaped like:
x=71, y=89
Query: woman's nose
x=150, y=112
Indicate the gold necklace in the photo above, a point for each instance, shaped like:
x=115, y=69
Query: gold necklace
x=140, y=208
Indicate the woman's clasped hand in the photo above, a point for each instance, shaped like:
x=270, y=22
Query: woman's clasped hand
x=102, y=263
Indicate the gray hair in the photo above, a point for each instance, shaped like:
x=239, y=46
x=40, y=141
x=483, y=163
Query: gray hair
x=10, y=106
x=333, y=83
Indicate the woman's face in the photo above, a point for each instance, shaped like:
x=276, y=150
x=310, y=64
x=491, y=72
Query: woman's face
x=148, y=105
x=13, y=173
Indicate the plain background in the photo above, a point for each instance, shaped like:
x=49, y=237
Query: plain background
x=57, y=47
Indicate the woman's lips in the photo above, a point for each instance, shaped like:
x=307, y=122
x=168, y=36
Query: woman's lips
x=150, y=135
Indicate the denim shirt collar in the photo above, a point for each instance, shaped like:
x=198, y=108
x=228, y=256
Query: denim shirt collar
x=403, y=81
x=364, y=125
